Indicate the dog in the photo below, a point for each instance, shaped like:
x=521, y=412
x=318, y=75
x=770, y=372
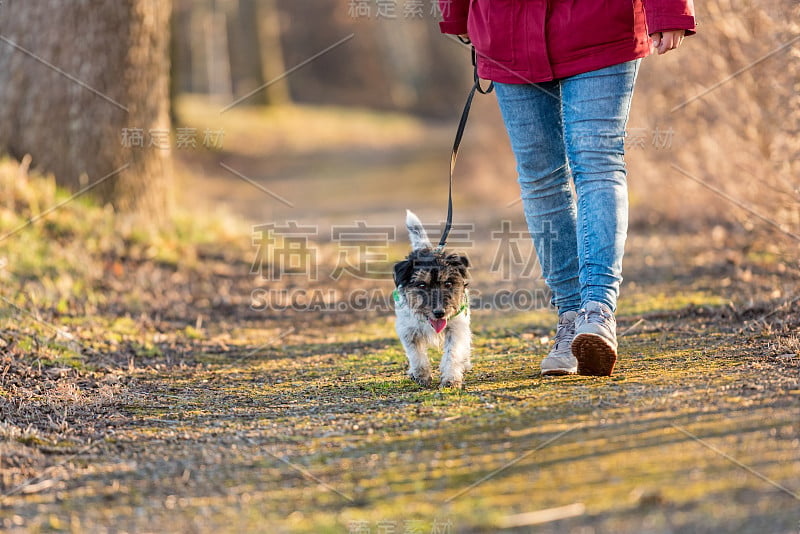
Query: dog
x=432, y=308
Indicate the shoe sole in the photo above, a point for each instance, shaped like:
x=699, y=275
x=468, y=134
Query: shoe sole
x=595, y=356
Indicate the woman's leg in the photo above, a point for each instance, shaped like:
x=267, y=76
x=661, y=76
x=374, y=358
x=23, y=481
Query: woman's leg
x=595, y=114
x=532, y=115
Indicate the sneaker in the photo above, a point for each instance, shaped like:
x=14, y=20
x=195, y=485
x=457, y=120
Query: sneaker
x=595, y=343
x=560, y=361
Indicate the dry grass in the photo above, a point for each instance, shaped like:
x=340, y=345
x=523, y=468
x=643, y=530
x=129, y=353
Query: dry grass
x=732, y=102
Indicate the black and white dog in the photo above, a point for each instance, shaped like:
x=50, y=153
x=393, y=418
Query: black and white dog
x=432, y=307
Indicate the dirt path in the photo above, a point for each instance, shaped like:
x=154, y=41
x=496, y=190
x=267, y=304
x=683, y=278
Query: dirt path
x=298, y=428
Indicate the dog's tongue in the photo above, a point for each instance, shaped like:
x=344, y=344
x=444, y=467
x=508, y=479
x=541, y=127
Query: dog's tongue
x=438, y=324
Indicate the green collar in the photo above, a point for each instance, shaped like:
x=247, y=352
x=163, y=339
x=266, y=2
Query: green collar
x=463, y=306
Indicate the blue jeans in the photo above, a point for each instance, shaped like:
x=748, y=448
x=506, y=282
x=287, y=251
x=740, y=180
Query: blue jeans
x=574, y=128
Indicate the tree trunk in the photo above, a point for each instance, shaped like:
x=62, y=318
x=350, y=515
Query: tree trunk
x=80, y=82
x=272, y=64
x=245, y=51
x=215, y=36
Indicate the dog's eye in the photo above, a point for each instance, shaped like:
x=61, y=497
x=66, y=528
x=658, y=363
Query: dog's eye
x=422, y=285
x=448, y=285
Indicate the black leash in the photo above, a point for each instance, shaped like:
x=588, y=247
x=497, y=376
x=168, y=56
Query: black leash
x=459, y=134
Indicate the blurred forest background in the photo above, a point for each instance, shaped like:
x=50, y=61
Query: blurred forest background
x=329, y=113
x=398, y=60
x=713, y=136
x=741, y=137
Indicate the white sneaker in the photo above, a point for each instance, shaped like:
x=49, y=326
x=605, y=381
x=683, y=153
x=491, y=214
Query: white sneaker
x=595, y=343
x=561, y=361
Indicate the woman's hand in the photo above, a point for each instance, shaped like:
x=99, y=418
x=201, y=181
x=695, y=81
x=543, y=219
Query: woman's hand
x=666, y=41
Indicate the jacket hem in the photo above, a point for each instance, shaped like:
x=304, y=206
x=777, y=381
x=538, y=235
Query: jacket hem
x=599, y=59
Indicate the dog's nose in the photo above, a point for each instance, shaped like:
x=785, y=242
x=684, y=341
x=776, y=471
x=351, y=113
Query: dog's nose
x=439, y=314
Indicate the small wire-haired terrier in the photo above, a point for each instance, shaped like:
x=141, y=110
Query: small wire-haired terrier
x=432, y=308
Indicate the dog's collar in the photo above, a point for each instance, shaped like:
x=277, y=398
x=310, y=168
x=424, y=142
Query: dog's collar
x=399, y=301
x=463, y=306
x=396, y=295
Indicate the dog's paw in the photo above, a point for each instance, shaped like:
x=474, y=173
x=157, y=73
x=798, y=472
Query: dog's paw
x=423, y=379
x=451, y=383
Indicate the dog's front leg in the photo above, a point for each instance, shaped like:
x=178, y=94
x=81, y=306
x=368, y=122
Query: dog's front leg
x=457, y=349
x=419, y=366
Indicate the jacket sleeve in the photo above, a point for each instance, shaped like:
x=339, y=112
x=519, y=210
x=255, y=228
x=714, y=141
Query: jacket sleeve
x=454, y=16
x=665, y=15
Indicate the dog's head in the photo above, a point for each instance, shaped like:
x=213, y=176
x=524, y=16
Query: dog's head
x=434, y=284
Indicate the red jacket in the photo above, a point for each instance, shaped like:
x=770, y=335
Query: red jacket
x=528, y=41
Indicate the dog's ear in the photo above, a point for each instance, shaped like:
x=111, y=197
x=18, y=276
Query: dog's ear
x=402, y=272
x=457, y=260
